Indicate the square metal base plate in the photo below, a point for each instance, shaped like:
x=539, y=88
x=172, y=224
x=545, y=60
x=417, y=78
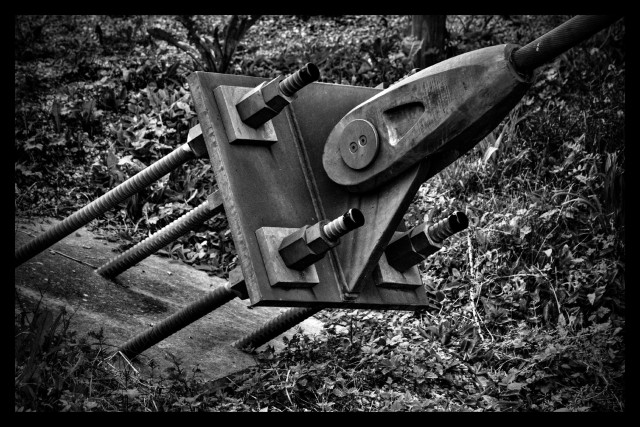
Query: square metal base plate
x=284, y=185
x=237, y=132
x=269, y=239
x=388, y=277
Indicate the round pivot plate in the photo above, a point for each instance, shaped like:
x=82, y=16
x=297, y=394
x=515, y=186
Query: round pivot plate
x=359, y=144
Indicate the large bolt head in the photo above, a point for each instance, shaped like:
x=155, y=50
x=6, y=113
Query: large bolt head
x=295, y=252
x=273, y=96
x=421, y=242
x=253, y=110
x=359, y=144
x=196, y=142
x=317, y=240
x=401, y=255
x=237, y=283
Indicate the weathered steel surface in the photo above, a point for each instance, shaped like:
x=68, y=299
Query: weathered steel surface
x=560, y=39
x=359, y=144
x=252, y=109
x=451, y=104
x=284, y=185
x=359, y=251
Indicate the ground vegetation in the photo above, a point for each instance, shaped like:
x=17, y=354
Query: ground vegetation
x=527, y=307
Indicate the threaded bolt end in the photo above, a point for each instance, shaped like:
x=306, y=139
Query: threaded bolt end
x=308, y=74
x=447, y=227
x=337, y=228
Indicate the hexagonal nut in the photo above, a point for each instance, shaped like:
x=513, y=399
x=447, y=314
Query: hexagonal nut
x=317, y=240
x=252, y=109
x=237, y=283
x=273, y=96
x=295, y=252
x=421, y=242
x=196, y=142
x=401, y=254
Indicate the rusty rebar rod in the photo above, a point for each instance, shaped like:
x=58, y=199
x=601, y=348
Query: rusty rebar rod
x=107, y=201
x=208, y=209
x=276, y=326
x=178, y=320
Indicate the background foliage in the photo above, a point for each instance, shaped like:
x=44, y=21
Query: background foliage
x=527, y=306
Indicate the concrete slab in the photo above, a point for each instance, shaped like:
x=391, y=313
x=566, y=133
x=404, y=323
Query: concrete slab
x=141, y=296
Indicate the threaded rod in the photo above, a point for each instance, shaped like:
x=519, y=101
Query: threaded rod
x=308, y=74
x=340, y=226
x=177, y=321
x=99, y=206
x=163, y=237
x=447, y=227
x=276, y=326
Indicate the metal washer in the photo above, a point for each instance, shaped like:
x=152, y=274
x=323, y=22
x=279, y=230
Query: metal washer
x=359, y=144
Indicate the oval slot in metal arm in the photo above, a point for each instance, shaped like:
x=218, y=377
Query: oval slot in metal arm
x=449, y=106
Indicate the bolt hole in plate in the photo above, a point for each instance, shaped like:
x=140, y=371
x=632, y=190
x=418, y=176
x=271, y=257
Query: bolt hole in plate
x=359, y=144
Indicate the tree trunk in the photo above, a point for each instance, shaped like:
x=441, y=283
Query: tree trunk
x=431, y=29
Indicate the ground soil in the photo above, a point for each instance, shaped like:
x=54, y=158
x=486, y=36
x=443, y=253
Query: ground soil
x=143, y=295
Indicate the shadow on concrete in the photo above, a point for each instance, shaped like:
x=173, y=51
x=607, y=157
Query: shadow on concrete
x=138, y=298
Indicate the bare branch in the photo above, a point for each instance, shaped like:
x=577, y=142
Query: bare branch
x=194, y=37
x=235, y=29
x=161, y=34
x=216, y=43
x=215, y=54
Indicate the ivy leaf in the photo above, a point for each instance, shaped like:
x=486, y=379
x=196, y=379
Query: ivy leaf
x=548, y=214
x=90, y=405
x=514, y=386
x=112, y=159
x=132, y=393
x=183, y=106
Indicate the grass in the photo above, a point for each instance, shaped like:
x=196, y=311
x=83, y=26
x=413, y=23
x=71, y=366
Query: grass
x=527, y=306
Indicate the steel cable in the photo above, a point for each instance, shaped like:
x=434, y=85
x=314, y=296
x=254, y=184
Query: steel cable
x=560, y=39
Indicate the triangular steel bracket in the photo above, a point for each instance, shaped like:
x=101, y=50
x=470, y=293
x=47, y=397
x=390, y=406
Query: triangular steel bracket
x=283, y=184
